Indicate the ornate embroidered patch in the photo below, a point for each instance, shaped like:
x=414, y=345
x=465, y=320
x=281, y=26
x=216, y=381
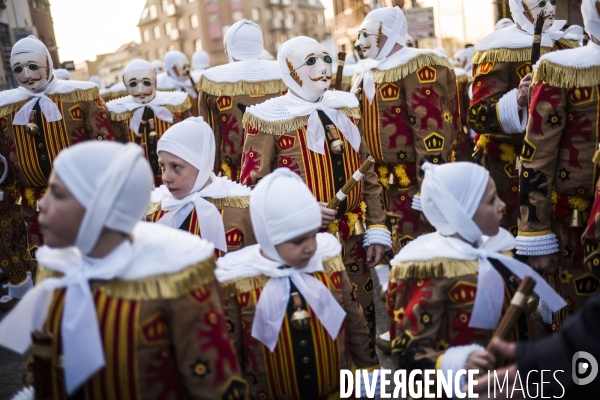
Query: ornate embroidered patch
x=463, y=293
x=427, y=74
x=224, y=103
x=434, y=142
x=76, y=112
x=389, y=92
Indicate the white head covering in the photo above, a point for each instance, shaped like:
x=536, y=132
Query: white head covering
x=265, y=55
x=394, y=27
x=591, y=19
x=112, y=182
x=450, y=196
x=468, y=53
x=137, y=65
x=157, y=64
x=111, y=197
x=200, y=60
x=31, y=44
x=193, y=141
x=503, y=23
x=283, y=208
x=315, y=131
x=96, y=79
x=171, y=58
x=552, y=33
x=244, y=41
x=63, y=74
x=441, y=50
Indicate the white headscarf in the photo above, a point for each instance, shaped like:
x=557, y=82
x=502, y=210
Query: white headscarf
x=63, y=74
x=193, y=141
x=394, y=27
x=171, y=58
x=450, y=196
x=283, y=208
x=552, y=33
x=503, y=23
x=96, y=79
x=591, y=19
x=315, y=133
x=244, y=41
x=94, y=174
x=200, y=60
x=31, y=44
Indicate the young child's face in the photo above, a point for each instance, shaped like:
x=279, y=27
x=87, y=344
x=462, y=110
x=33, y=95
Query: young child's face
x=298, y=251
x=489, y=213
x=60, y=215
x=178, y=175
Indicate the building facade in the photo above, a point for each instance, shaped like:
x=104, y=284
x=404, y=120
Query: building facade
x=191, y=25
x=109, y=66
x=42, y=20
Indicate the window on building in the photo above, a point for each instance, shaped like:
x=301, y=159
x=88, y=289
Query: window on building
x=286, y=2
x=237, y=15
x=168, y=29
x=171, y=47
x=194, y=21
x=274, y=1
x=157, y=32
x=165, y=5
x=153, y=11
x=177, y=2
x=269, y=15
x=256, y=14
x=213, y=18
x=146, y=35
x=145, y=13
x=198, y=45
x=301, y=17
x=181, y=24
x=160, y=53
x=280, y=15
x=320, y=19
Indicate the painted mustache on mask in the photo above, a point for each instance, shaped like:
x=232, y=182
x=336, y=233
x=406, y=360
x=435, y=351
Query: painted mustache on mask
x=29, y=80
x=321, y=78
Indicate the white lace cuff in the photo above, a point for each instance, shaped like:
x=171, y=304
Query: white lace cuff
x=17, y=292
x=537, y=245
x=508, y=113
x=416, y=202
x=378, y=236
x=455, y=358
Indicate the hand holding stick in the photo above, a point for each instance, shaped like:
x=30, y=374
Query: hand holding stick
x=340, y=196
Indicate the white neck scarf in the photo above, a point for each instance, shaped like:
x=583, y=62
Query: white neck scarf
x=591, y=19
x=394, y=27
x=160, y=112
x=451, y=215
x=315, y=133
x=282, y=208
x=48, y=107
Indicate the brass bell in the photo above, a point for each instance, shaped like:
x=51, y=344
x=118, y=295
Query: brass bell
x=32, y=129
x=359, y=229
x=337, y=147
x=152, y=133
x=576, y=219
x=300, y=318
x=531, y=304
x=391, y=179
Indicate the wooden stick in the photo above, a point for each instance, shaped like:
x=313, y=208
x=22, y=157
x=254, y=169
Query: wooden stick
x=536, y=48
x=365, y=167
x=518, y=305
x=340, y=70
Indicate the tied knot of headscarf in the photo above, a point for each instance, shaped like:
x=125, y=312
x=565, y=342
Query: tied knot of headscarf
x=450, y=196
x=315, y=133
x=159, y=110
x=282, y=195
x=193, y=141
x=47, y=106
x=364, y=70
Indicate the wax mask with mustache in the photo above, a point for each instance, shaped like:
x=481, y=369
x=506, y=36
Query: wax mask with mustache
x=310, y=66
x=182, y=69
x=370, y=37
x=141, y=85
x=533, y=8
x=31, y=70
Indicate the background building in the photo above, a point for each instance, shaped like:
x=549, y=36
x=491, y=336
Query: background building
x=191, y=25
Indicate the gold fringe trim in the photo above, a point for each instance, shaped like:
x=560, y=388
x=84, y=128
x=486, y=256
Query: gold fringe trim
x=575, y=203
x=596, y=158
x=506, y=55
x=290, y=125
x=233, y=201
x=241, y=88
x=569, y=44
x=155, y=287
x=566, y=77
x=153, y=208
x=411, y=66
x=183, y=107
x=72, y=97
x=462, y=79
x=235, y=287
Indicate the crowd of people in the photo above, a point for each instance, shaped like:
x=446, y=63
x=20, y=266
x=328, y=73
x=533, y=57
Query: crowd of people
x=213, y=233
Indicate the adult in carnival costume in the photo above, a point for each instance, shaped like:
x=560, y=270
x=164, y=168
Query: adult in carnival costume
x=498, y=112
x=311, y=130
x=178, y=77
x=227, y=90
x=145, y=114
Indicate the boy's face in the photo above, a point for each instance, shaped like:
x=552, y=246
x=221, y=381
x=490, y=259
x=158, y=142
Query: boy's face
x=178, y=175
x=490, y=210
x=60, y=215
x=298, y=251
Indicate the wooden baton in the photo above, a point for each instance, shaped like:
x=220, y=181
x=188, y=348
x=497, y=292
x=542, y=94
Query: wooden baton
x=339, y=75
x=340, y=196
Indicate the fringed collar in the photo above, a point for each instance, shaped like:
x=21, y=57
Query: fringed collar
x=249, y=77
x=60, y=87
x=173, y=101
x=570, y=68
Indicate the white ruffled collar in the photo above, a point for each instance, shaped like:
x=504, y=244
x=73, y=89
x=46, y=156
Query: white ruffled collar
x=234, y=189
x=581, y=57
x=58, y=86
x=277, y=109
x=161, y=99
x=404, y=55
x=514, y=38
x=247, y=71
x=241, y=263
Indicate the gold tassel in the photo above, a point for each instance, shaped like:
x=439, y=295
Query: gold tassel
x=183, y=107
x=290, y=125
x=596, y=159
x=433, y=268
x=507, y=153
x=233, y=201
x=241, y=88
x=383, y=174
x=506, y=55
x=566, y=77
x=411, y=66
x=403, y=179
x=577, y=203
